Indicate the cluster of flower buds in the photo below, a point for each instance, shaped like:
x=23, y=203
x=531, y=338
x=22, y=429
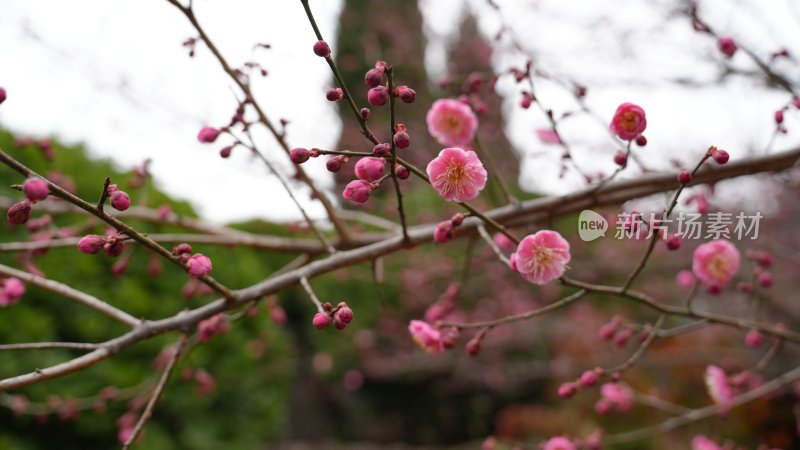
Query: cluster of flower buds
x=588, y=378
x=620, y=333
x=11, y=291
x=445, y=231
x=198, y=265
x=213, y=326
x=341, y=316
x=35, y=190
x=113, y=244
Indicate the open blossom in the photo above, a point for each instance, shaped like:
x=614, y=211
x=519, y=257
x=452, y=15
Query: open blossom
x=559, y=443
x=541, y=257
x=615, y=395
x=629, y=121
x=717, y=385
x=716, y=262
x=457, y=175
x=452, y=122
x=701, y=442
x=426, y=336
x=548, y=136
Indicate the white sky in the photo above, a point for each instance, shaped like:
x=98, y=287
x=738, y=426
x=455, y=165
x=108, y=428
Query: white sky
x=113, y=74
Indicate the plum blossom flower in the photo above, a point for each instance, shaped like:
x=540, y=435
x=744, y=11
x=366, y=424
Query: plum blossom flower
x=452, y=122
x=717, y=385
x=541, y=257
x=701, y=442
x=629, y=121
x=548, y=136
x=426, y=336
x=457, y=175
x=559, y=443
x=615, y=395
x=716, y=262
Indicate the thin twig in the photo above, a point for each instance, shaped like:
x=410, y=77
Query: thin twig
x=157, y=392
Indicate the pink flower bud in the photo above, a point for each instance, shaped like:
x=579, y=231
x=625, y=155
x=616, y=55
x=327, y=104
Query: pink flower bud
x=745, y=287
x=199, y=265
x=753, y=338
x=207, y=135
x=11, y=292
x=338, y=323
x=335, y=163
x=608, y=331
x=381, y=150
x=402, y=172
x=114, y=249
x=19, y=213
x=623, y=337
x=357, y=191
x=334, y=94
x=444, y=232
x=779, y=116
x=720, y=156
x=35, y=189
x=2, y=95
x=365, y=113
x=370, y=169
x=567, y=390
x=402, y=139
x=91, y=244
x=450, y=337
x=457, y=219
x=378, y=96
x=321, y=320
x=765, y=279
x=344, y=314
x=684, y=176
x=620, y=158
x=120, y=200
x=225, y=152
x=299, y=155
x=526, y=101
x=674, y=242
x=727, y=46
x=590, y=377
x=322, y=49
x=405, y=93
x=641, y=141
x=374, y=77
x=180, y=249
x=473, y=346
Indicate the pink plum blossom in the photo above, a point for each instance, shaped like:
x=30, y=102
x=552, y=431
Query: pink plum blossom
x=452, y=122
x=559, y=443
x=541, y=257
x=629, y=121
x=503, y=241
x=617, y=395
x=36, y=189
x=717, y=385
x=426, y=336
x=548, y=136
x=716, y=262
x=701, y=442
x=457, y=175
